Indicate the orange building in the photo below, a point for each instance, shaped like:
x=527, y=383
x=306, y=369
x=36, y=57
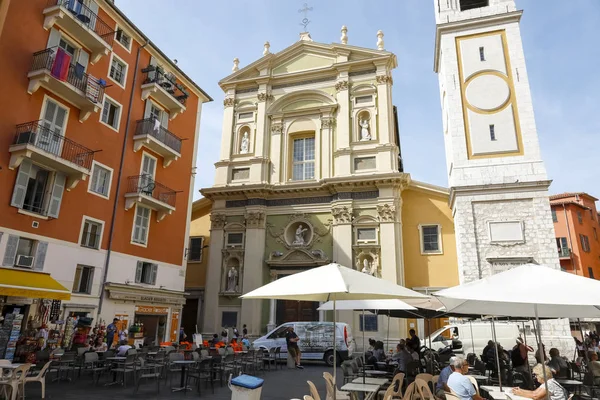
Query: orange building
x=98, y=139
x=576, y=225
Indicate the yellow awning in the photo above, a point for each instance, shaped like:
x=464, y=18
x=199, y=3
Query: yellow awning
x=31, y=284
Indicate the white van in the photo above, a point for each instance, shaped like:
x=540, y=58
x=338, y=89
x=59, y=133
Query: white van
x=316, y=340
x=506, y=334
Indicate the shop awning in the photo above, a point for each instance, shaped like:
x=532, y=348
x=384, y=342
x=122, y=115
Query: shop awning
x=31, y=284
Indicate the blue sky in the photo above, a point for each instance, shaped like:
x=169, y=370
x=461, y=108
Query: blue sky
x=559, y=37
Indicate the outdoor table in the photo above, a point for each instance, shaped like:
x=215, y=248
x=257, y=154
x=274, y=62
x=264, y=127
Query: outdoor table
x=61, y=363
x=480, y=377
x=497, y=395
x=576, y=385
x=371, y=381
x=375, y=372
x=509, y=395
x=359, y=387
x=183, y=364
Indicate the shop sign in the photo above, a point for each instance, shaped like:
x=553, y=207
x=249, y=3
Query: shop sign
x=146, y=298
x=18, y=300
x=151, y=310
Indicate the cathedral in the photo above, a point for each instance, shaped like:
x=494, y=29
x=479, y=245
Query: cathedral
x=310, y=171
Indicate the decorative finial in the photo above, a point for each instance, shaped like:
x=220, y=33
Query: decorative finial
x=305, y=21
x=379, y=40
x=266, y=49
x=236, y=64
x=344, y=38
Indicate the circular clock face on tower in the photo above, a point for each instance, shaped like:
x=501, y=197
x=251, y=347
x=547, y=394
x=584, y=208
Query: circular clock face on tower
x=487, y=92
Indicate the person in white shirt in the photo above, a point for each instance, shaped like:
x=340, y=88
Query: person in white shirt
x=122, y=350
x=459, y=383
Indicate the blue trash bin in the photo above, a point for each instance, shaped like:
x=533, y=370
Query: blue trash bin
x=246, y=387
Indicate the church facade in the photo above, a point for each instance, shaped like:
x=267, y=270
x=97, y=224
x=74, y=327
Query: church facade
x=310, y=172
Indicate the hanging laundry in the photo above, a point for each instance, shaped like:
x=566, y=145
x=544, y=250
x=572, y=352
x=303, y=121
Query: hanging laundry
x=156, y=124
x=92, y=89
x=79, y=69
x=60, y=68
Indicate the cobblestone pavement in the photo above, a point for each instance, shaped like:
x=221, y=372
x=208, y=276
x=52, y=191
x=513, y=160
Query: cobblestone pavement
x=280, y=384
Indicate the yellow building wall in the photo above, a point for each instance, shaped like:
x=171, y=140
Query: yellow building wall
x=421, y=206
x=200, y=226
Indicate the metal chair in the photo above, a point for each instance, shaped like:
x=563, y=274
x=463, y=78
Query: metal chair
x=147, y=371
x=202, y=371
x=173, y=368
x=128, y=366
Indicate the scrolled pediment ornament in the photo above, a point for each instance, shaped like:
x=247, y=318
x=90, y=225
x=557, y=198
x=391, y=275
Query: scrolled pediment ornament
x=299, y=232
x=386, y=213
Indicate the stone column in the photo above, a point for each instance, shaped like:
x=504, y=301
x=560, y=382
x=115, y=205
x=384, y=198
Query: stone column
x=213, y=273
x=327, y=129
x=342, y=232
x=261, y=142
x=272, y=307
x=342, y=163
x=276, y=150
x=222, y=168
x=254, y=250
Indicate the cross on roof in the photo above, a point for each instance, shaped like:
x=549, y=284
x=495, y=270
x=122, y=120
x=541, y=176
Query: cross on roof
x=305, y=20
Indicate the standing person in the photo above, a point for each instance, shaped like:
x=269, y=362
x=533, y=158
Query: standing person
x=224, y=335
x=459, y=383
x=540, y=354
x=292, y=340
x=236, y=333
x=441, y=387
x=520, y=361
x=414, y=342
x=182, y=335
x=555, y=390
x=110, y=332
x=42, y=337
x=244, y=331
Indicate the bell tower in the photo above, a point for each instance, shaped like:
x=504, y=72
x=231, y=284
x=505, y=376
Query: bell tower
x=497, y=178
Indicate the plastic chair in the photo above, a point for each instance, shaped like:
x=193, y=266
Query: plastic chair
x=410, y=392
x=451, y=396
x=307, y=397
x=16, y=383
x=424, y=390
x=40, y=377
x=397, y=385
x=474, y=382
x=313, y=391
x=331, y=386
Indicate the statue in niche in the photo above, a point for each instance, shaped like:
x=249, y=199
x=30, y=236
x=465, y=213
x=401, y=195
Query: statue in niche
x=366, y=267
x=244, y=148
x=232, y=278
x=364, y=130
x=299, y=238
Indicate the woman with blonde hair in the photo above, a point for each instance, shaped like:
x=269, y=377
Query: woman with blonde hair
x=555, y=390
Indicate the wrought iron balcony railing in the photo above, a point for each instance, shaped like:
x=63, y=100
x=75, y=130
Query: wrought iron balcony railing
x=564, y=253
x=144, y=184
x=87, y=17
x=36, y=134
x=91, y=87
x=155, y=74
x=152, y=127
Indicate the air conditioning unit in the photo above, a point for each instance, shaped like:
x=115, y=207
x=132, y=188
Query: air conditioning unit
x=24, y=261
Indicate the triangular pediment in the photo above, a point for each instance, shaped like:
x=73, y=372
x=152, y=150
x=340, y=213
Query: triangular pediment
x=306, y=56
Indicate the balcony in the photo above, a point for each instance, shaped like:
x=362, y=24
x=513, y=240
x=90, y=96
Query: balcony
x=564, y=253
x=36, y=142
x=82, y=23
x=163, y=87
x=155, y=137
x=144, y=190
x=72, y=84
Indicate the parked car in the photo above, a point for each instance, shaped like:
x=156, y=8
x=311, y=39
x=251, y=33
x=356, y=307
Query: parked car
x=316, y=340
x=506, y=334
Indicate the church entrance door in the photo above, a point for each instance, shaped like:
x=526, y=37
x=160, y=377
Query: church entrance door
x=296, y=311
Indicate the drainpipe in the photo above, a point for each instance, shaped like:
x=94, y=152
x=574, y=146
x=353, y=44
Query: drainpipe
x=570, y=240
x=120, y=174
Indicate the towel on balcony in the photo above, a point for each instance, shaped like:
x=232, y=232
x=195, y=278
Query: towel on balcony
x=60, y=68
x=92, y=89
x=79, y=69
x=156, y=125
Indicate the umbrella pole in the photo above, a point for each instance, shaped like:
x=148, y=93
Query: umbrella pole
x=497, y=354
x=364, y=349
x=335, y=351
x=542, y=353
x=430, y=353
x=525, y=340
x=387, y=341
x=472, y=338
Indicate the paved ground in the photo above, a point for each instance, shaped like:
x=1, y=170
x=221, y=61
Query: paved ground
x=282, y=384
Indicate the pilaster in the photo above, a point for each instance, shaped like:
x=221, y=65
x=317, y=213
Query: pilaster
x=213, y=272
x=342, y=232
x=390, y=230
x=342, y=138
x=276, y=149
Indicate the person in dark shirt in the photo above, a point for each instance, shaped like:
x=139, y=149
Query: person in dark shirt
x=291, y=339
x=414, y=342
x=244, y=331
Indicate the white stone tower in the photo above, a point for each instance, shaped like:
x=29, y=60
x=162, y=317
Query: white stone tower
x=498, y=182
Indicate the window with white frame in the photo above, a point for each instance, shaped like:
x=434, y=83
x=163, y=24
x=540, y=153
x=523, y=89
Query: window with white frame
x=235, y=239
x=90, y=236
x=111, y=113
x=146, y=272
x=431, y=239
x=141, y=225
x=82, y=283
x=366, y=235
x=303, y=159
x=25, y=253
x=38, y=190
x=196, y=249
x=123, y=38
x=100, y=182
x=118, y=70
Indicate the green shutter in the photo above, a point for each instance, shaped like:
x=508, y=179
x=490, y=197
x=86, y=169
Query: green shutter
x=11, y=251
x=18, y=197
x=138, y=271
x=40, y=256
x=58, y=188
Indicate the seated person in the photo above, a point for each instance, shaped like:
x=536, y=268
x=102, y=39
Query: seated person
x=378, y=354
x=215, y=340
x=245, y=341
x=594, y=366
x=459, y=383
x=556, y=391
x=490, y=345
x=402, y=356
x=441, y=387
x=558, y=364
x=122, y=350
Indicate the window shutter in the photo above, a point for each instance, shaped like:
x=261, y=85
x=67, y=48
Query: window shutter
x=93, y=6
x=105, y=111
x=83, y=58
x=40, y=256
x=18, y=197
x=138, y=272
x=147, y=109
x=94, y=183
x=53, y=39
x=11, y=251
x=153, y=273
x=57, y=193
x=165, y=119
x=90, y=279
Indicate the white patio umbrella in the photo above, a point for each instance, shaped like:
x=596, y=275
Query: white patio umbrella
x=370, y=305
x=529, y=290
x=331, y=282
